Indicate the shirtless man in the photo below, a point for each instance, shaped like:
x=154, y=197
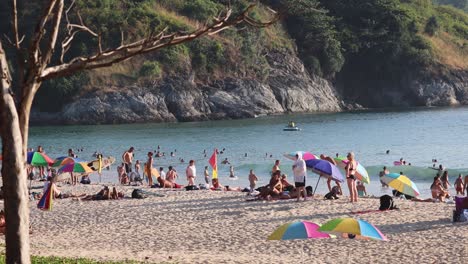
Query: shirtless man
x=459, y=185
x=127, y=159
x=191, y=173
x=165, y=183
x=171, y=175
x=252, y=180
x=275, y=167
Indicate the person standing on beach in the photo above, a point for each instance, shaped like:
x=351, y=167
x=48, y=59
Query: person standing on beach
x=137, y=167
x=465, y=185
x=299, y=170
x=191, y=173
x=459, y=185
x=350, y=177
x=207, y=175
x=275, y=167
x=252, y=180
x=127, y=159
x=445, y=181
x=41, y=168
x=231, y=172
x=381, y=174
x=149, y=168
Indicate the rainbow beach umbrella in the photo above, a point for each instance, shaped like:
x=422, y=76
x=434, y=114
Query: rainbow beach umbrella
x=352, y=226
x=304, y=154
x=298, y=230
x=60, y=161
x=45, y=203
x=38, y=159
x=361, y=172
x=400, y=183
x=80, y=167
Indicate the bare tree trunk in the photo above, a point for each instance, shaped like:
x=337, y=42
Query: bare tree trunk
x=13, y=173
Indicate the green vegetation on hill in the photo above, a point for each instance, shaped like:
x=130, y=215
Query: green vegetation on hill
x=356, y=43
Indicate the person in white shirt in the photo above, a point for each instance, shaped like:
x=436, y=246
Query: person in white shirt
x=300, y=174
x=191, y=173
x=162, y=174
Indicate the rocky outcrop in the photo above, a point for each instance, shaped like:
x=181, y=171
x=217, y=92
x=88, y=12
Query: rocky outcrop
x=288, y=88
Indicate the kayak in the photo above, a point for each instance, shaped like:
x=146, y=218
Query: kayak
x=291, y=129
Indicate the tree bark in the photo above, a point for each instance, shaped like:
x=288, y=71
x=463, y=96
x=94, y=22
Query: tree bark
x=13, y=173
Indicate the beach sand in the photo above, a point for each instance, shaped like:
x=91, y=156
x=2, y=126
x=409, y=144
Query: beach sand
x=221, y=227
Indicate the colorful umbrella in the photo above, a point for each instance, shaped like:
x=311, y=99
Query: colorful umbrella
x=352, y=226
x=75, y=167
x=326, y=169
x=361, y=172
x=400, y=183
x=298, y=230
x=45, y=203
x=60, y=161
x=304, y=154
x=38, y=159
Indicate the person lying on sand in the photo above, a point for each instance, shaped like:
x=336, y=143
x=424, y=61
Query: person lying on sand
x=105, y=194
x=273, y=189
x=218, y=187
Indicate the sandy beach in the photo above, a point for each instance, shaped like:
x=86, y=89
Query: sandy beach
x=221, y=227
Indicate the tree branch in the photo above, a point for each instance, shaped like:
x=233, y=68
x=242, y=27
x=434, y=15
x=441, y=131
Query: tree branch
x=39, y=33
x=149, y=44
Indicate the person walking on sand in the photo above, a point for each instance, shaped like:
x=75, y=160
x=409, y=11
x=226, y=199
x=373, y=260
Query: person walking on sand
x=149, y=168
x=276, y=167
x=350, y=177
x=191, y=173
x=300, y=174
x=252, y=180
x=207, y=175
x=127, y=158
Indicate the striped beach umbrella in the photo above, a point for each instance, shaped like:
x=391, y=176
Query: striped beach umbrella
x=352, y=226
x=298, y=230
x=79, y=167
x=400, y=183
x=38, y=159
x=361, y=172
x=304, y=154
x=60, y=161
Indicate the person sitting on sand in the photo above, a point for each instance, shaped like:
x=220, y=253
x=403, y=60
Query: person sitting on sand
x=333, y=194
x=171, y=174
x=459, y=185
x=286, y=185
x=124, y=179
x=437, y=191
x=361, y=189
x=274, y=188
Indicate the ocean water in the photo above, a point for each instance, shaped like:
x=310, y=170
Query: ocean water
x=417, y=135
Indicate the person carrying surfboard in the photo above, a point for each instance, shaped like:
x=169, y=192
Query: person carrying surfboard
x=127, y=159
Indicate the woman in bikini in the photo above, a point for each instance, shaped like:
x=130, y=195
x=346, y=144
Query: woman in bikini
x=350, y=176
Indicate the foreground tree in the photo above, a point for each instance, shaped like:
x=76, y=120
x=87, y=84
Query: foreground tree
x=34, y=64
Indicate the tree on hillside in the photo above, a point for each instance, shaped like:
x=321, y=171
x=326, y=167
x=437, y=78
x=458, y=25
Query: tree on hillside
x=40, y=55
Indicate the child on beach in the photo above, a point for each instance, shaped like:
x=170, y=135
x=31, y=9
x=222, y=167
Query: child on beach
x=361, y=189
x=459, y=185
x=252, y=180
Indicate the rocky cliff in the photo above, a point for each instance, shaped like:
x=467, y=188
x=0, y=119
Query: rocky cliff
x=288, y=88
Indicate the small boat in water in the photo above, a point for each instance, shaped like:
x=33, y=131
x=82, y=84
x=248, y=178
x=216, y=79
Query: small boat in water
x=291, y=127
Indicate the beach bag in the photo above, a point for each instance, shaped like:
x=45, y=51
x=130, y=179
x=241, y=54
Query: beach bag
x=191, y=188
x=138, y=194
x=386, y=203
x=309, y=190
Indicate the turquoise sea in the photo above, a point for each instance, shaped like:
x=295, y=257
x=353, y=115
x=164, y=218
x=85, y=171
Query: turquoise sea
x=417, y=135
